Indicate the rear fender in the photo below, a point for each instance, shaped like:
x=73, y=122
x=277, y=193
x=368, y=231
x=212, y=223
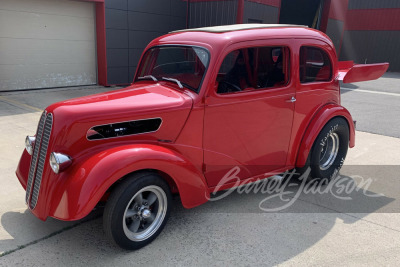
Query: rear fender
x=325, y=114
x=86, y=183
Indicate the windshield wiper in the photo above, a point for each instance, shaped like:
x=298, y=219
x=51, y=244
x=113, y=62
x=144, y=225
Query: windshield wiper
x=173, y=80
x=147, y=77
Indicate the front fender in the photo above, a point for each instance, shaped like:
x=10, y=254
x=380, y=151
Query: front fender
x=325, y=114
x=87, y=182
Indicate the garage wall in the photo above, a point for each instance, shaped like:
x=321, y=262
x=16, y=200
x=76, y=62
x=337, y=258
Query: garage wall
x=372, y=47
x=260, y=12
x=46, y=43
x=373, y=4
x=205, y=13
x=212, y=13
x=131, y=25
x=372, y=32
x=334, y=30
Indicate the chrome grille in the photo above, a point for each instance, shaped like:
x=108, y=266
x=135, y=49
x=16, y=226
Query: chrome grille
x=35, y=155
x=38, y=159
x=42, y=157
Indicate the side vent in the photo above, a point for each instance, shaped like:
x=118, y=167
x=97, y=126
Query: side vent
x=123, y=129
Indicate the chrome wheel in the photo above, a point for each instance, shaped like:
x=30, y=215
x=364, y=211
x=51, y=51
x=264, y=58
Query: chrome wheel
x=145, y=213
x=329, y=151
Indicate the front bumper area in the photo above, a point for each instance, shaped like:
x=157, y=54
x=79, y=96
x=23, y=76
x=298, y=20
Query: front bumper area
x=59, y=196
x=44, y=203
x=48, y=204
x=22, y=173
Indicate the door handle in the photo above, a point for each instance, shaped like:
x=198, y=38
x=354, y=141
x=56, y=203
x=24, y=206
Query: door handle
x=291, y=100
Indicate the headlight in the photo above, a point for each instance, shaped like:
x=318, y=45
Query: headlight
x=59, y=162
x=29, y=143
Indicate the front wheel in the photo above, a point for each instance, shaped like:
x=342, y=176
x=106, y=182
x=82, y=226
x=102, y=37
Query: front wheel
x=137, y=210
x=329, y=150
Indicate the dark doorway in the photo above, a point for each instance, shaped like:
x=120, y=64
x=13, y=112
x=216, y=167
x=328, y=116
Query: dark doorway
x=302, y=12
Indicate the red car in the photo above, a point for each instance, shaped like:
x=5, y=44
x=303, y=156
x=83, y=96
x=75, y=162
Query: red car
x=265, y=98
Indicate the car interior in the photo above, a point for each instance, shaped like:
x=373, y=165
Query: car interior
x=315, y=65
x=253, y=68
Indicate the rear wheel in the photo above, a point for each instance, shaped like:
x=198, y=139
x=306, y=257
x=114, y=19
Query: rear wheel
x=329, y=150
x=137, y=210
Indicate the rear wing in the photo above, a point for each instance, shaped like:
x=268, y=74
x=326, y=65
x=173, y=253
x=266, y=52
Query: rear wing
x=350, y=72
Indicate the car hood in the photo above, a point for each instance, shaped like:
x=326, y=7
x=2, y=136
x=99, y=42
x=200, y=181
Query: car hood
x=73, y=118
x=135, y=99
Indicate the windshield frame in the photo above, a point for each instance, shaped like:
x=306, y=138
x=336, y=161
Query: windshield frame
x=176, y=45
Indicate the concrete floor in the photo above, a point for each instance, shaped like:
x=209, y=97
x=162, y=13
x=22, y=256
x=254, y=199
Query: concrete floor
x=318, y=229
x=375, y=104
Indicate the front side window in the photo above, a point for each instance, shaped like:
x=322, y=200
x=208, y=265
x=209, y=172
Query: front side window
x=315, y=65
x=254, y=68
x=184, y=65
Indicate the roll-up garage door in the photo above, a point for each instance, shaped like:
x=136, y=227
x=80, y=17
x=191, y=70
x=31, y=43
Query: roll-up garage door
x=46, y=43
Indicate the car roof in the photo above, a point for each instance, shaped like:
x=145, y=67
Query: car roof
x=217, y=37
x=238, y=27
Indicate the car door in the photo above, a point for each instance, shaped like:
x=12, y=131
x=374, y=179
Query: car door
x=248, y=125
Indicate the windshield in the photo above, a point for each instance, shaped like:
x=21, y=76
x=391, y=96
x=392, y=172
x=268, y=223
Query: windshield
x=184, y=65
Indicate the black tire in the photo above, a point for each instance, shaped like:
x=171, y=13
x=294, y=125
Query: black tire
x=323, y=167
x=117, y=221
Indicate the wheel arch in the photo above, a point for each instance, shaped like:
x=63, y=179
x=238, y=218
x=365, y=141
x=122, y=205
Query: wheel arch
x=88, y=183
x=321, y=118
x=165, y=176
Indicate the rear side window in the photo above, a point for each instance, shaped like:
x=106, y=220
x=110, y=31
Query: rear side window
x=315, y=65
x=254, y=68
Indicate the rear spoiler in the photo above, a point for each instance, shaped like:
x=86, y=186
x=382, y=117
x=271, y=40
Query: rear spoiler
x=350, y=72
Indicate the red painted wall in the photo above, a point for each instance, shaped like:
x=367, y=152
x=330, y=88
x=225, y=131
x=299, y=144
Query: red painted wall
x=101, y=41
x=384, y=19
x=101, y=44
x=275, y=3
x=362, y=27
x=338, y=9
x=240, y=12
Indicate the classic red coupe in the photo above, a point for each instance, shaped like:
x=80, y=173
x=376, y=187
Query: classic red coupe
x=265, y=98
